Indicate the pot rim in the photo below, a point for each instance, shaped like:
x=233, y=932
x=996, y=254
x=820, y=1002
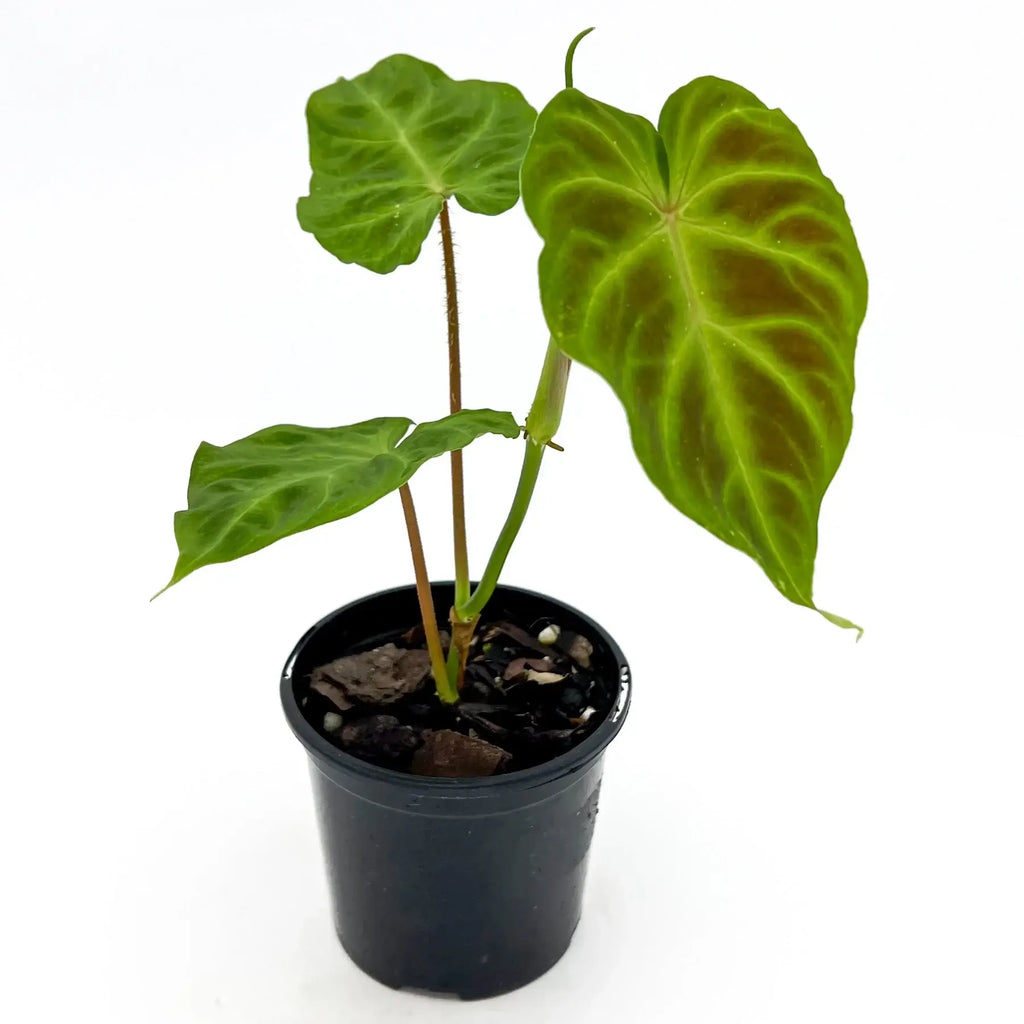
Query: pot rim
x=572, y=761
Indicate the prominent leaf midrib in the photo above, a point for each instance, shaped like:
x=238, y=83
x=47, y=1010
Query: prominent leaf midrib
x=668, y=427
x=683, y=263
x=402, y=138
x=751, y=491
x=726, y=398
x=693, y=325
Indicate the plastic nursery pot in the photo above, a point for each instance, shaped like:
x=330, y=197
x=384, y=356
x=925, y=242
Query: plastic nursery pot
x=465, y=887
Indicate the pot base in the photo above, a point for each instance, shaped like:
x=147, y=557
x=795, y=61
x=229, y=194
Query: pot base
x=479, y=988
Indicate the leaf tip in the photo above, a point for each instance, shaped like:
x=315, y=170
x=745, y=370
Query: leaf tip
x=838, y=620
x=176, y=577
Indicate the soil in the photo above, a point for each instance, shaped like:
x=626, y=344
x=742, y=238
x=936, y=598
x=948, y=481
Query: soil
x=523, y=702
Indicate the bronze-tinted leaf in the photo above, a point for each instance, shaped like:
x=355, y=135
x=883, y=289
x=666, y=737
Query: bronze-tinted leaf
x=707, y=270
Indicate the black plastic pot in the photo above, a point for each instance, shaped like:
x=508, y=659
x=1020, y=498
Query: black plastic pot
x=467, y=887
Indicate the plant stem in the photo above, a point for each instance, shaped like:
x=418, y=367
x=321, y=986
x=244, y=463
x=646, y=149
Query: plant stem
x=437, y=664
x=541, y=424
x=463, y=629
x=516, y=514
x=455, y=404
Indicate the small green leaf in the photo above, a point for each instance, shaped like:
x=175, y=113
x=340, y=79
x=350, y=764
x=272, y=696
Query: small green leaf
x=388, y=147
x=708, y=271
x=285, y=479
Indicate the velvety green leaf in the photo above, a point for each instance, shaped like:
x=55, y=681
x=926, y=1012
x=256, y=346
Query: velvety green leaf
x=389, y=146
x=285, y=479
x=707, y=269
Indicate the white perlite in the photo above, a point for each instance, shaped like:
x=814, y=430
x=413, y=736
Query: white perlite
x=549, y=634
x=332, y=721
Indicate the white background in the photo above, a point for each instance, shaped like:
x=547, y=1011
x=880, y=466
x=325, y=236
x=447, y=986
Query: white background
x=795, y=828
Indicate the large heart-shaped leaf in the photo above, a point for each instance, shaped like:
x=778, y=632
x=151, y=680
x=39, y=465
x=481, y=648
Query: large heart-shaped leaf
x=389, y=146
x=285, y=479
x=707, y=269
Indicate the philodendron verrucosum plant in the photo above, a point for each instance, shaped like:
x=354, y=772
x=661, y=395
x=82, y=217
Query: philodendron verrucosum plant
x=705, y=267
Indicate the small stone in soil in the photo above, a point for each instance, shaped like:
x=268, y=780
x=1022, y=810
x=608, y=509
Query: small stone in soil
x=580, y=650
x=549, y=634
x=379, y=738
x=451, y=755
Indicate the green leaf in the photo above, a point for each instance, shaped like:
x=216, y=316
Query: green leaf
x=285, y=479
x=708, y=271
x=389, y=146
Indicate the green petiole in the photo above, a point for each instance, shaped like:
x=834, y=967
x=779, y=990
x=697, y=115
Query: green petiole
x=541, y=426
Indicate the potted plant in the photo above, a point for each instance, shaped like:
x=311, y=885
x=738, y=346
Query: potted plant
x=706, y=268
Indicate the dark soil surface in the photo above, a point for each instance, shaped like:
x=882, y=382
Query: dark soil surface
x=524, y=702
